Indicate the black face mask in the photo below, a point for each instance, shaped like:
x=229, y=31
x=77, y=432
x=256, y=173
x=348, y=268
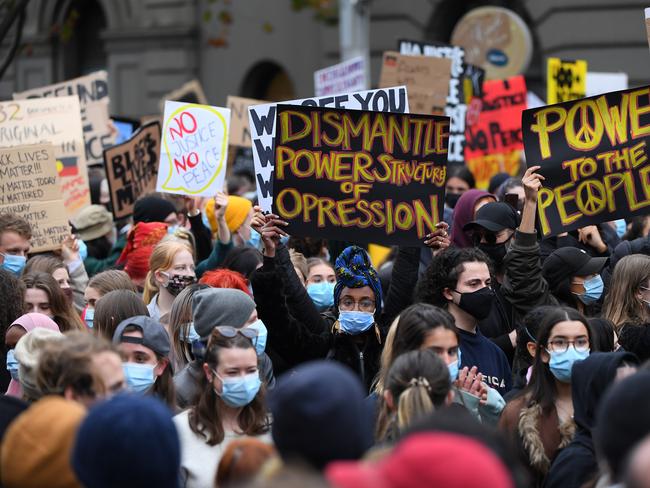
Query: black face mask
x=177, y=283
x=451, y=199
x=477, y=303
x=496, y=252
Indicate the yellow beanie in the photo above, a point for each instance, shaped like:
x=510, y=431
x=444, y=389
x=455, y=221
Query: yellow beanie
x=236, y=212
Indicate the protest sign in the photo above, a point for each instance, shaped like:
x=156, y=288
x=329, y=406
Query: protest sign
x=426, y=78
x=593, y=154
x=494, y=142
x=566, y=80
x=190, y=92
x=55, y=120
x=358, y=175
x=92, y=91
x=240, y=133
x=132, y=168
x=455, y=107
x=495, y=39
x=344, y=77
x=30, y=188
x=194, y=149
x=262, y=123
x=599, y=83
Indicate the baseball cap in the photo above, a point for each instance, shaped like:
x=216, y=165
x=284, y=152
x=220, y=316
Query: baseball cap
x=154, y=335
x=495, y=216
x=570, y=261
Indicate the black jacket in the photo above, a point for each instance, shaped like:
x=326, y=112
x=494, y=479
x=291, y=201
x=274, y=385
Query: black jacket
x=576, y=464
x=607, y=233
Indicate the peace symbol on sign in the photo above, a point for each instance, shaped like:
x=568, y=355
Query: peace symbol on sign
x=586, y=133
x=591, y=197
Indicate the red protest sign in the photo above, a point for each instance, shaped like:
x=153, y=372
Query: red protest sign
x=493, y=134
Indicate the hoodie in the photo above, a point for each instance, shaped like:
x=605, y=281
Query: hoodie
x=463, y=214
x=576, y=464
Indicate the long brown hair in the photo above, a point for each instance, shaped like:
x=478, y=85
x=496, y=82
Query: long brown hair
x=180, y=317
x=62, y=312
x=112, y=308
x=206, y=418
x=109, y=280
x=622, y=304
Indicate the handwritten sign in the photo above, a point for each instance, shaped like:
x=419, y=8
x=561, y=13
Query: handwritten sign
x=494, y=141
x=57, y=121
x=92, y=91
x=30, y=187
x=358, y=175
x=194, y=149
x=455, y=108
x=240, y=133
x=345, y=77
x=190, y=92
x=566, y=80
x=132, y=168
x=262, y=123
x=426, y=78
x=593, y=154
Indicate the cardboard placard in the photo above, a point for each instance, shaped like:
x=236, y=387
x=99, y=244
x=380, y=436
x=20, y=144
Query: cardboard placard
x=566, y=80
x=358, y=175
x=240, y=131
x=599, y=83
x=262, y=122
x=345, y=77
x=30, y=188
x=593, y=154
x=190, y=92
x=494, y=141
x=426, y=78
x=194, y=150
x=132, y=168
x=92, y=91
x=57, y=121
x=455, y=108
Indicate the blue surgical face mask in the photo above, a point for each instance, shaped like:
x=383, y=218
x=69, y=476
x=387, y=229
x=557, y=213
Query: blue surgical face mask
x=621, y=227
x=561, y=363
x=139, y=377
x=12, y=365
x=172, y=228
x=192, y=334
x=354, y=322
x=89, y=316
x=240, y=391
x=262, y=335
x=255, y=239
x=453, y=370
x=83, y=249
x=322, y=294
x=14, y=264
x=593, y=290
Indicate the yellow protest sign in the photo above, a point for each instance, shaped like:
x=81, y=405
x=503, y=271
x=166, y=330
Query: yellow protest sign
x=566, y=80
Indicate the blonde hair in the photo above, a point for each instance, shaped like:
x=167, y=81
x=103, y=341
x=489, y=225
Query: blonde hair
x=621, y=304
x=161, y=258
x=299, y=262
x=386, y=357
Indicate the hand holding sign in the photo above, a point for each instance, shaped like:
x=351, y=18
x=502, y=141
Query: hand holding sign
x=590, y=236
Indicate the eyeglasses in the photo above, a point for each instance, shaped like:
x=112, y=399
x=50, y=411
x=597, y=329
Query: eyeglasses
x=348, y=304
x=230, y=332
x=581, y=344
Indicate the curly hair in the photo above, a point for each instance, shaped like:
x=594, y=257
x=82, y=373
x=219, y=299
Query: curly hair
x=443, y=272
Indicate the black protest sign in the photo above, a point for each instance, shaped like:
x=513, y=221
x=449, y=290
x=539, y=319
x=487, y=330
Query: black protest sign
x=358, y=175
x=132, y=168
x=593, y=154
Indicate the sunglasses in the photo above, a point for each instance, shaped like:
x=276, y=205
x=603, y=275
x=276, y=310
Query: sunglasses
x=230, y=332
x=478, y=235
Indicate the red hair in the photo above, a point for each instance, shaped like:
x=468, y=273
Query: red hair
x=137, y=262
x=225, y=278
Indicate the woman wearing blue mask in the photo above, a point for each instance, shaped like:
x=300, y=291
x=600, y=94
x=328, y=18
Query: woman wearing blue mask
x=231, y=405
x=144, y=346
x=181, y=327
x=540, y=419
x=320, y=282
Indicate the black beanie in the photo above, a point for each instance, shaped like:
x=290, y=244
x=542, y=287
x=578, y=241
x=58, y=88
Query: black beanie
x=152, y=209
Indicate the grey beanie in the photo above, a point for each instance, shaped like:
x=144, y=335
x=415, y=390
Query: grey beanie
x=220, y=306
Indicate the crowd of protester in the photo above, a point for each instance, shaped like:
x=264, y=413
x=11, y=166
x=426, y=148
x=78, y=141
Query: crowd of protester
x=197, y=344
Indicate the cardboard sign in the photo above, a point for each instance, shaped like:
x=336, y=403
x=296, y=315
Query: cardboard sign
x=344, y=77
x=57, y=121
x=599, y=83
x=30, y=188
x=194, y=149
x=358, y=175
x=566, y=80
x=92, y=91
x=455, y=107
x=494, y=141
x=593, y=154
x=262, y=123
x=240, y=133
x=190, y=92
x=426, y=78
x=132, y=168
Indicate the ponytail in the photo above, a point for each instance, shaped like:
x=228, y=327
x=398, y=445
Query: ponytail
x=415, y=402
